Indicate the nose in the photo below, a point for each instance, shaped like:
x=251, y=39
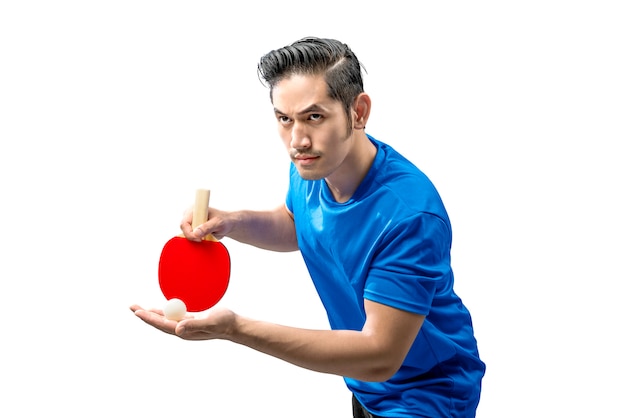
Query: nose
x=299, y=136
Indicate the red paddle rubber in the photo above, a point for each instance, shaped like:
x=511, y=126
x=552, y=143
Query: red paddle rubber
x=195, y=272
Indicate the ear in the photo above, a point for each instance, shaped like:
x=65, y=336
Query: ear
x=361, y=113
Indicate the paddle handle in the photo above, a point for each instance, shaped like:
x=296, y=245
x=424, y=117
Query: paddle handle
x=201, y=207
x=201, y=210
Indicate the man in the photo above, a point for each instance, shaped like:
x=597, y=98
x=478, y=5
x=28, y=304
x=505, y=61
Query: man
x=376, y=239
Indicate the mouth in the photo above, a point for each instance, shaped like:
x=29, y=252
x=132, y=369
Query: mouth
x=304, y=159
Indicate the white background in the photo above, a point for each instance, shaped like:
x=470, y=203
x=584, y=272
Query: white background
x=113, y=113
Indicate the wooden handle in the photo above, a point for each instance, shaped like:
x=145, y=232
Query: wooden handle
x=201, y=210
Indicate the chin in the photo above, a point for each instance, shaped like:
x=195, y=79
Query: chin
x=310, y=175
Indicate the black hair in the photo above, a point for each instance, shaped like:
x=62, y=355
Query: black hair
x=316, y=56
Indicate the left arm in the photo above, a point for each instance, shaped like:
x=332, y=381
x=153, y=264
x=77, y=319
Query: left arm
x=374, y=353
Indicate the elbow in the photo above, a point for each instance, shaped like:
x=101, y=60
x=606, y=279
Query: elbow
x=381, y=372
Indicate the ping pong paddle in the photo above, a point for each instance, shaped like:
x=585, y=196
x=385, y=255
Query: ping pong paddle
x=197, y=273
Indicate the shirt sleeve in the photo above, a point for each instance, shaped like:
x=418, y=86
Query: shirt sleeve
x=411, y=264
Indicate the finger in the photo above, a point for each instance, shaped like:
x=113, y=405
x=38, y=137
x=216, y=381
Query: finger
x=157, y=320
x=203, y=232
x=185, y=224
x=136, y=308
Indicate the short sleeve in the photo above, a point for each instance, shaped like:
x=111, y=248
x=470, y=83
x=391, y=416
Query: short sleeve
x=413, y=260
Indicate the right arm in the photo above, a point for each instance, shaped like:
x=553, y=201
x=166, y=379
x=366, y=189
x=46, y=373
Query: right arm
x=269, y=229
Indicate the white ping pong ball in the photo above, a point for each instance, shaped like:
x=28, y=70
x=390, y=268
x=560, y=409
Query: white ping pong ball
x=175, y=309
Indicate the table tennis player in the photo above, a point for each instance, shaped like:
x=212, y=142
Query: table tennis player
x=376, y=239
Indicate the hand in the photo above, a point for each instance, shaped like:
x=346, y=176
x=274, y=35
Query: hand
x=216, y=225
x=215, y=324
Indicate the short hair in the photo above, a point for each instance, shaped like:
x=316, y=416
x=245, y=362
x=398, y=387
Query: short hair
x=316, y=56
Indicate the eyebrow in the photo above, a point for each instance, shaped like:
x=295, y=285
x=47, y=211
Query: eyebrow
x=311, y=109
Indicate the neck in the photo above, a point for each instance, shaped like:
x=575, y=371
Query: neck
x=345, y=180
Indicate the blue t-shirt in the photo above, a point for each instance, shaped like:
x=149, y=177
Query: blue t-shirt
x=390, y=243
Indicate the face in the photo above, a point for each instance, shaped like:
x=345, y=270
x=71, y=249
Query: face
x=312, y=126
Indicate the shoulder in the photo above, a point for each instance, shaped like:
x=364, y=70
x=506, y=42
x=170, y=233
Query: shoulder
x=393, y=167
x=401, y=184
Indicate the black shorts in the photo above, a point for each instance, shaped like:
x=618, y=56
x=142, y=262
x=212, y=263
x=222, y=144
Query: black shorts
x=358, y=411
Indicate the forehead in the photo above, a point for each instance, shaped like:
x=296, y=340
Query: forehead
x=298, y=92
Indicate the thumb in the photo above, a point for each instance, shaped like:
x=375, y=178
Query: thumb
x=191, y=329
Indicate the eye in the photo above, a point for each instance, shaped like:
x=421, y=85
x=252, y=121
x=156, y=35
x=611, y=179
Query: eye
x=315, y=117
x=283, y=119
